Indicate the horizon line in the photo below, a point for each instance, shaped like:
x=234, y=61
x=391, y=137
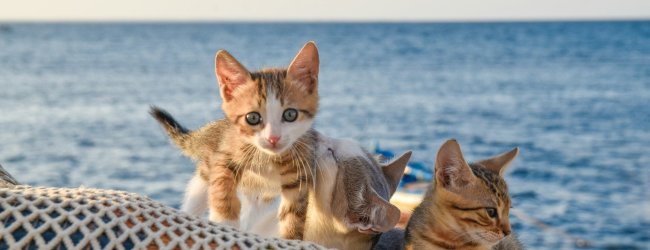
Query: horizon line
x=360, y=21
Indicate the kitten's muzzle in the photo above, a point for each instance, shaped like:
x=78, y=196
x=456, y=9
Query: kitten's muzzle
x=273, y=140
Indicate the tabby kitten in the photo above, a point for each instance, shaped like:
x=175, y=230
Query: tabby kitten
x=262, y=148
x=466, y=207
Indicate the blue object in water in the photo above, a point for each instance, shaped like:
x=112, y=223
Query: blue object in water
x=414, y=172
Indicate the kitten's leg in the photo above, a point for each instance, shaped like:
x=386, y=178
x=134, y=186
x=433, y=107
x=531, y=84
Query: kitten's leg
x=196, y=196
x=293, y=207
x=224, y=203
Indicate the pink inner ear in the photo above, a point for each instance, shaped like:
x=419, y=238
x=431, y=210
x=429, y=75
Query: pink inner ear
x=304, y=68
x=307, y=80
x=231, y=75
x=451, y=168
x=227, y=92
x=303, y=74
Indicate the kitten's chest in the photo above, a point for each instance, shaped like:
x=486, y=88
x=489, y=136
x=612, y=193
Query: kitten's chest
x=263, y=180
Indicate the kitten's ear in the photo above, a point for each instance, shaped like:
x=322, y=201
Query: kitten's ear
x=394, y=170
x=230, y=74
x=378, y=217
x=499, y=163
x=303, y=69
x=452, y=170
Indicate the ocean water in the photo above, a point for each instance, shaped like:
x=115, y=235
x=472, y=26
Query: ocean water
x=575, y=97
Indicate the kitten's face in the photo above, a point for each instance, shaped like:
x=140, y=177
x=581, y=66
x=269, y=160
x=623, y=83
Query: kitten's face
x=481, y=209
x=271, y=108
x=474, y=196
x=273, y=113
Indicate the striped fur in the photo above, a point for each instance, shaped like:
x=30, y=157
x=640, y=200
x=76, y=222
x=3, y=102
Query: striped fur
x=453, y=213
x=234, y=156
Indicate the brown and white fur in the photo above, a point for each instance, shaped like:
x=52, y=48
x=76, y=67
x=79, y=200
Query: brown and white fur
x=467, y=206
x=260, y=160
x=347, y=208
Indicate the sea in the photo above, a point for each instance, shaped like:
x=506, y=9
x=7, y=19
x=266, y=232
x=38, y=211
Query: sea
x=573, y=96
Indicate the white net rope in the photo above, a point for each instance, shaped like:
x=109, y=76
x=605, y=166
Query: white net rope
x=75, y=218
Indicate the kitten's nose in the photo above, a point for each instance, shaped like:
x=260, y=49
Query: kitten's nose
x=273, y=139
x=505, y=226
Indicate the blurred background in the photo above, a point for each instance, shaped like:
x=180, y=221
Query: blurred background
x=566, y=81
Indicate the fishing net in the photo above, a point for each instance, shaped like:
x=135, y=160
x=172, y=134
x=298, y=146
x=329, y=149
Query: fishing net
x=74, y=218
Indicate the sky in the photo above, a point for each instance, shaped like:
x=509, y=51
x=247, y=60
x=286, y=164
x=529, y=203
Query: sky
x=321, y=10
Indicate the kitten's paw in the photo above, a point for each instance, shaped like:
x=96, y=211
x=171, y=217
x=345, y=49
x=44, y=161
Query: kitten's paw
x=366, y=229
x=232, y=223
x=214, y=217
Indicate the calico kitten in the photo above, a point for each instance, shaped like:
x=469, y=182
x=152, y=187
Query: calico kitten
x=264, y=146
x=467, y=206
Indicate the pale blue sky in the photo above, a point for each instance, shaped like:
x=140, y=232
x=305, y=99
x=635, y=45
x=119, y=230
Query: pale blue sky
x=322, y=10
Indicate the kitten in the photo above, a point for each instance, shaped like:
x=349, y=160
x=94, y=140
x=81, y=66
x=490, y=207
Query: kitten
x=467, y=206
x=264, y=146
x=350, y=203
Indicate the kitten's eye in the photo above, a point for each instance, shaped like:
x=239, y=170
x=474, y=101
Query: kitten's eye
x=253, y=118
x=491, y=212
x=290, y=115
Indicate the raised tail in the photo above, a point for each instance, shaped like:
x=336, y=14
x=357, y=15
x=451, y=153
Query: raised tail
x=179, y=134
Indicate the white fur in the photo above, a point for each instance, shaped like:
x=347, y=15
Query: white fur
x=259, y=216
x=196, y=196
x=260, y=198
x=346, y=148
x=260, y=202
x=288, y=132
x=273, y=123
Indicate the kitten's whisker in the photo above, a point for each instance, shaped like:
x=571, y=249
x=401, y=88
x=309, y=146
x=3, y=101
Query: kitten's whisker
x=309, y=166
x=258, y=162
x=302, y=170
x=300, y=161
x=464, y=237
x=299, y=172
x=293, y=160
x=319, y=169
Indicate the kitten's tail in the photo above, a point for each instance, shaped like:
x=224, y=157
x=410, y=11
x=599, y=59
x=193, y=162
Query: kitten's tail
x=179, y=134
